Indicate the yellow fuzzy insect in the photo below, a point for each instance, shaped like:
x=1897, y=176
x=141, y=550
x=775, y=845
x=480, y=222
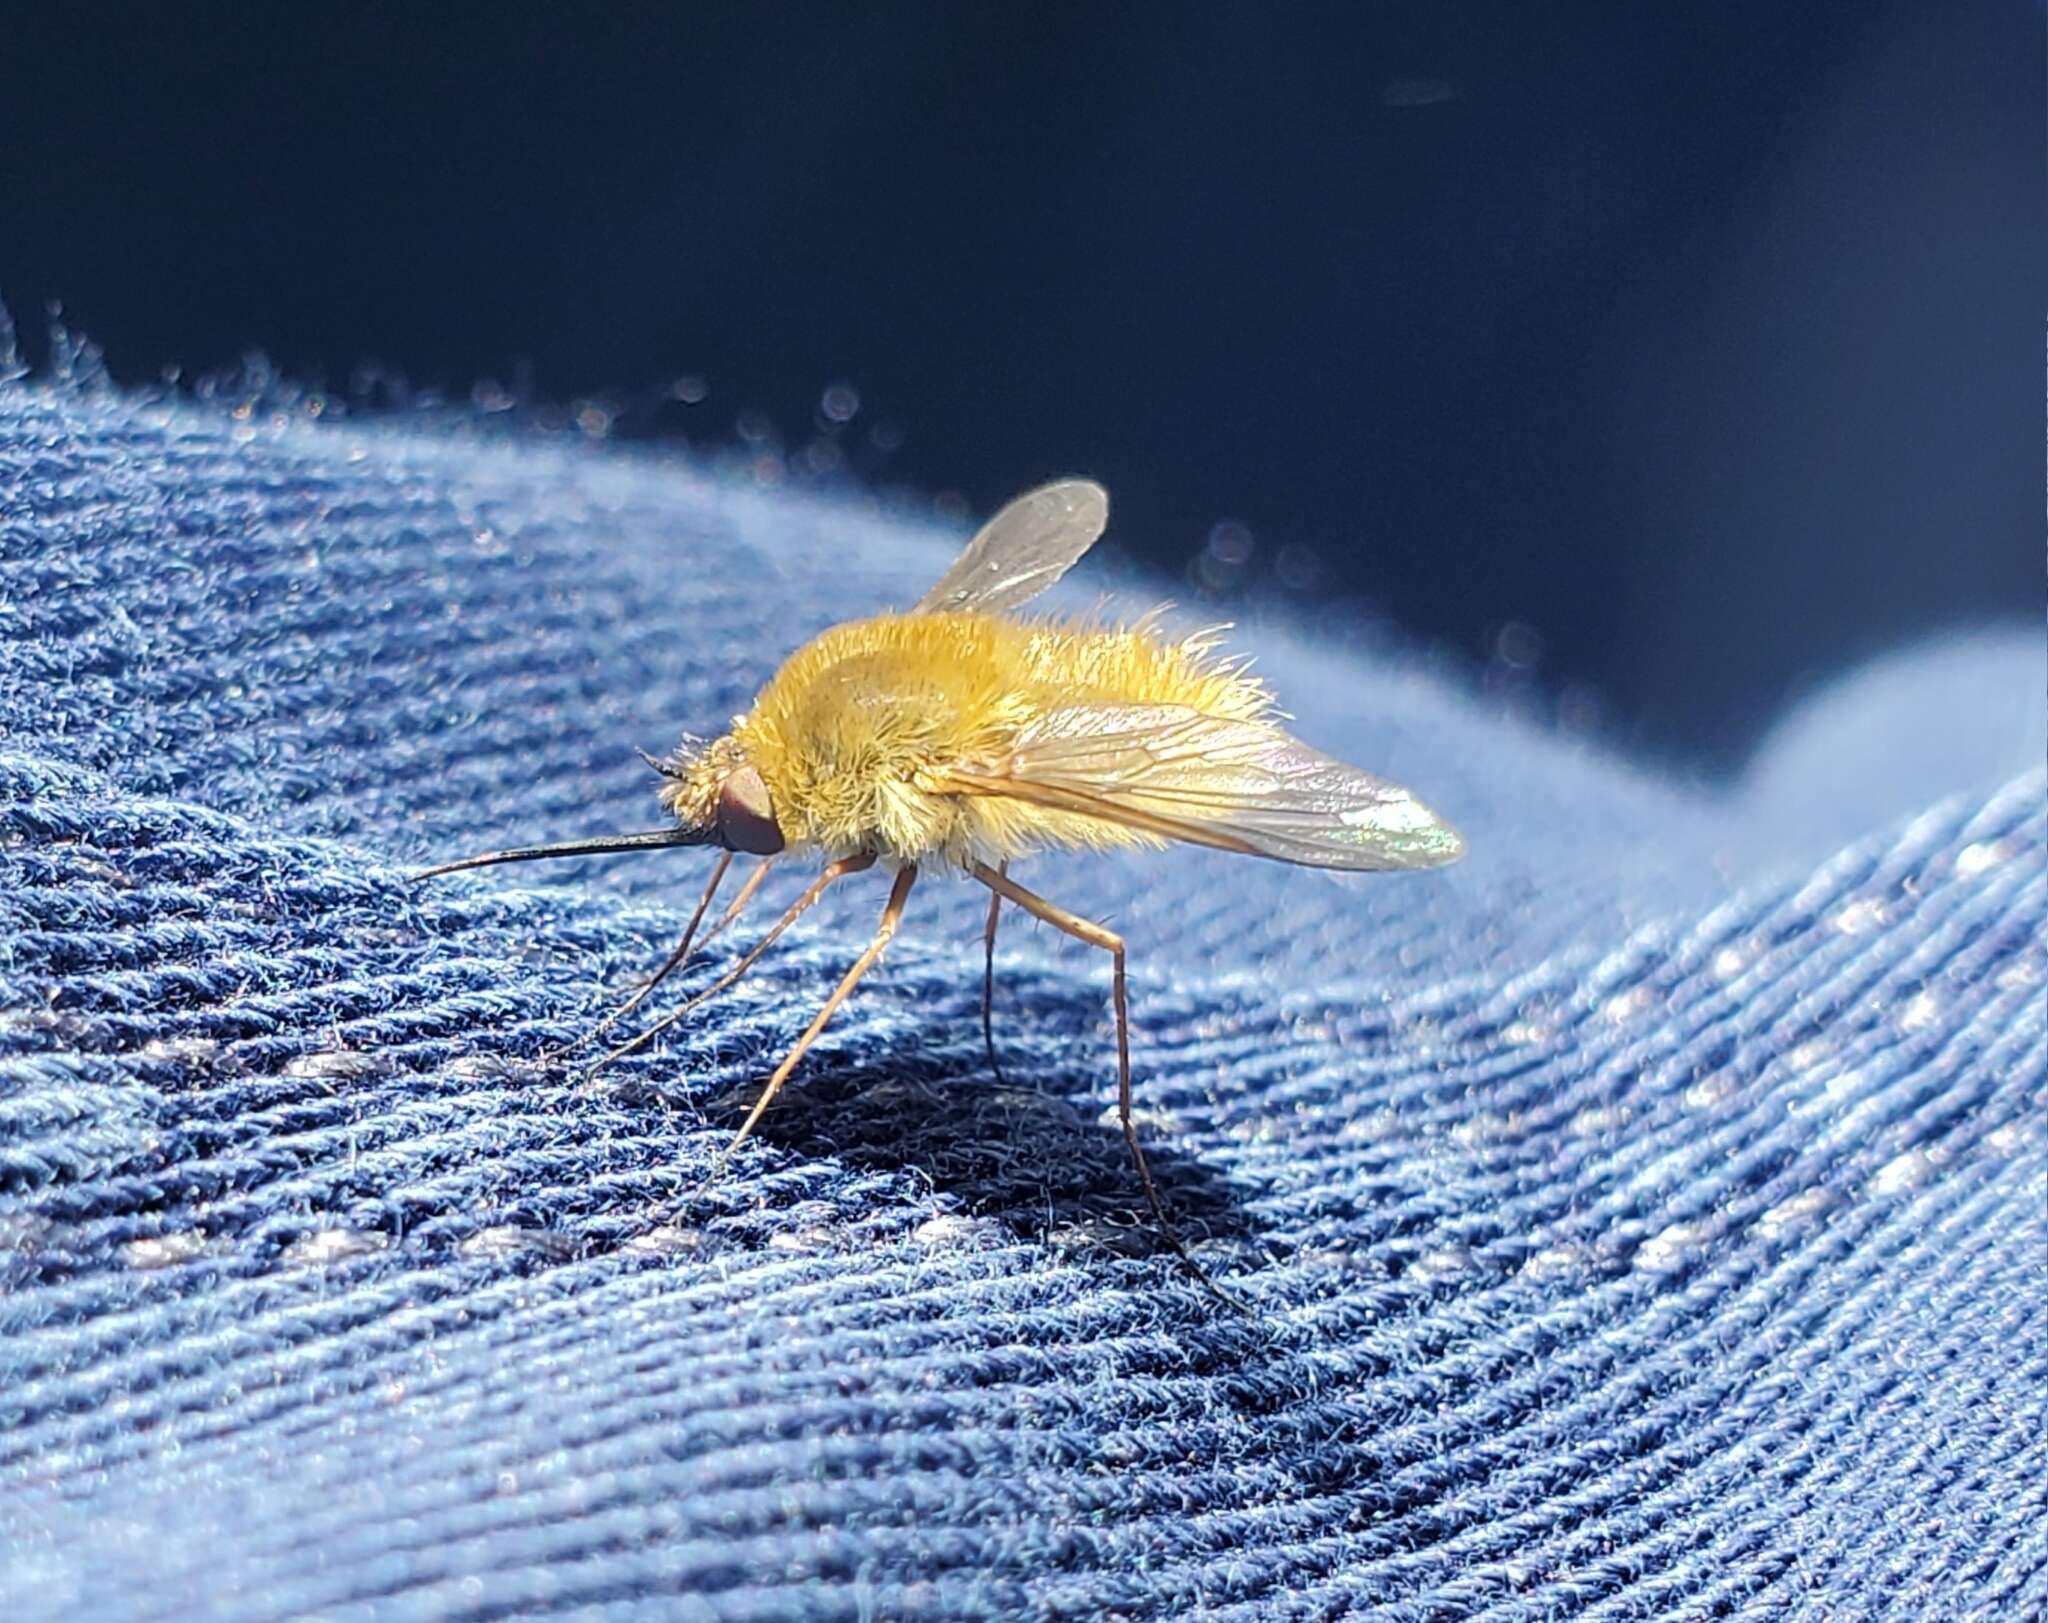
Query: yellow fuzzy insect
x=957, y=734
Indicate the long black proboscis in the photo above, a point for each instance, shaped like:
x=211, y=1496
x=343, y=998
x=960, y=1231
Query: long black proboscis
x=574, y=848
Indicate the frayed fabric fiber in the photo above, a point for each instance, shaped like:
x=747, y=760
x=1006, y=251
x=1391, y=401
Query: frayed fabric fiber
x=1646, y=1217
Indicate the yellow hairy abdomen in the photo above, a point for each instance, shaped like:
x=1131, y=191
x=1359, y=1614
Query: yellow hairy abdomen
x=855, y=728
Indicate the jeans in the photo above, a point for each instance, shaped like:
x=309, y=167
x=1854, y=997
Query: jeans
x=1645, y=1217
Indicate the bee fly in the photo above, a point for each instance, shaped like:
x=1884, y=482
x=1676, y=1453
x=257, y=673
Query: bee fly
x=960, y=735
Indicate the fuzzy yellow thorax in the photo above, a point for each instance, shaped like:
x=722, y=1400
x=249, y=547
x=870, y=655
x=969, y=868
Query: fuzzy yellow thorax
x=853, y=735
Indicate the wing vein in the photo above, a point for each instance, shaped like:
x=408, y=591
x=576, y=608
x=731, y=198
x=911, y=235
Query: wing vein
x=1236, y=785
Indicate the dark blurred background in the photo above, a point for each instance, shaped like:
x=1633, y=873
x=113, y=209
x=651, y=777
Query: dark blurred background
x=1662, y=359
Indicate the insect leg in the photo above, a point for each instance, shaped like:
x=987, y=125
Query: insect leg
x=988, y=978
x=676, y=959
x=816, y=888
x=740, y=901
x=1113, y=944
x=892, y=915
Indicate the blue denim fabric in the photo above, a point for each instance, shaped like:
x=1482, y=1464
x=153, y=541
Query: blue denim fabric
x=1645, y=1217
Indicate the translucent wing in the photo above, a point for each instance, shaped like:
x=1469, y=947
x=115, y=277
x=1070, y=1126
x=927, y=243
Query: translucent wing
x=1237, y=785
x=1022, y=550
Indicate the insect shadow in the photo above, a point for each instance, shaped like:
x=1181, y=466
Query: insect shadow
x=1043, y=1163
x=1037, y=1150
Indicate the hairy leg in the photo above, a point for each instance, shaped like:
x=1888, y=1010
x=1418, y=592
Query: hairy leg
x=892, y=915
x=988, y=978
x=833, y=871
x=673, y=962
x=1110, y=942
x=740, y=901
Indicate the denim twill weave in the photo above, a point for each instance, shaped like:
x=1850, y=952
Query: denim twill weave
x=1644, y=1218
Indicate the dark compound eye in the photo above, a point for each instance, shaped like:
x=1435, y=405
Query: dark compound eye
x=746, y=817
